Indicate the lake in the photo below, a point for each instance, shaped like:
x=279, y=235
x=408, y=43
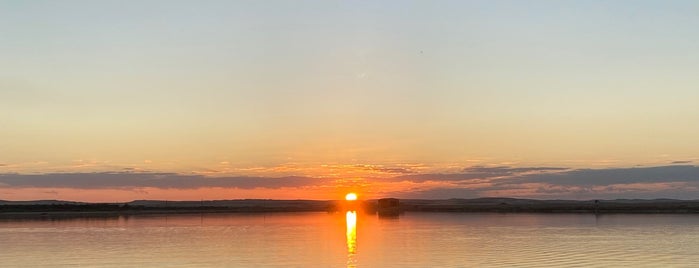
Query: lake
x=353, y=240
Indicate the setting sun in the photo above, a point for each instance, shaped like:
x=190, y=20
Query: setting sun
x=351, y=197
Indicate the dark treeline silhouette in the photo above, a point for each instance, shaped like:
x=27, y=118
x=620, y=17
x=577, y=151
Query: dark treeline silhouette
x=10, y=208
x=553, y=206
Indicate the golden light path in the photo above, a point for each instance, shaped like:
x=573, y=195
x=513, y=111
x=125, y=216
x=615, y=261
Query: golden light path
x=351, y=218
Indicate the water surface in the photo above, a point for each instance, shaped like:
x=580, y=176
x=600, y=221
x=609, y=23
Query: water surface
x=353, y=240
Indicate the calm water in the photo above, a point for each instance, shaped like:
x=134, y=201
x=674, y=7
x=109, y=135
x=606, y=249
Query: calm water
x=353, y=240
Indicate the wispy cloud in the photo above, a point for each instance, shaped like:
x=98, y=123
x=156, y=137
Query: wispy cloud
x=592, y=177
x=639, y=182
x=477, y=173
x=681, y=162
x=672, y=181
x=383, y=169
x=101, y=180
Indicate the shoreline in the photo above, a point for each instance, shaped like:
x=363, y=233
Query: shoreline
x=49, y=208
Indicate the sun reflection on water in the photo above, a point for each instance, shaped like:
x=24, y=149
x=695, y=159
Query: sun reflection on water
x=351, y=231
x=351, y=219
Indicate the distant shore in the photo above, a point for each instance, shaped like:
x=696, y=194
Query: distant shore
x=56, y=208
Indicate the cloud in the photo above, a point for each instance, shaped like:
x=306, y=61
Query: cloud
x=681, y=162
x=644, y=182
x=477, y=173
x=672, y=181
x=509, y=170
x=450, y=177
x=382, y=169
x=443, y=193
x=592, y=177
x=102, y=180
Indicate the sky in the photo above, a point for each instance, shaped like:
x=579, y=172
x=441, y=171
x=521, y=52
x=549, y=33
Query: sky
x=188, y=100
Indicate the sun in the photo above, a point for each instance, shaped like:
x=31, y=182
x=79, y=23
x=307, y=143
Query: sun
x=351, y=197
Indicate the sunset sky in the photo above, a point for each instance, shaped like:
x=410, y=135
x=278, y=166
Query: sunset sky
x=190, y=100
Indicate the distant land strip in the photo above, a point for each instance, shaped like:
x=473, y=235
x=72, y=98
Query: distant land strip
x=497, y=205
